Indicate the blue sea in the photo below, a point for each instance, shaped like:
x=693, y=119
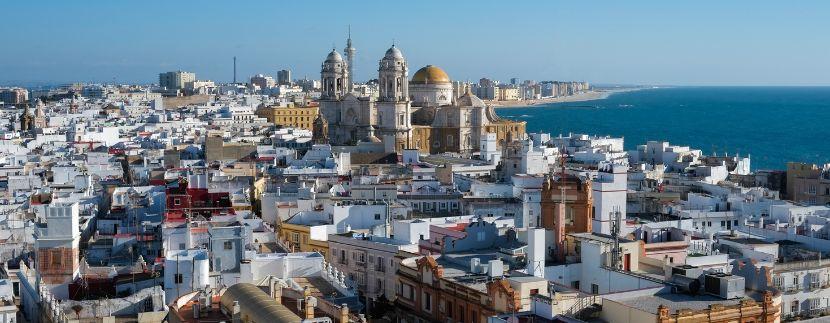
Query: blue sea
x=772, y=124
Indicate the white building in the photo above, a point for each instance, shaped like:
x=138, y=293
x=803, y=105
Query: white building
x=185, y=271
x=610, y=188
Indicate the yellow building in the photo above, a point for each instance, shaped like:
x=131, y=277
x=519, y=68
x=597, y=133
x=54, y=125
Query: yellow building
x=297, y=238
x=508, y=93
x=290, y=116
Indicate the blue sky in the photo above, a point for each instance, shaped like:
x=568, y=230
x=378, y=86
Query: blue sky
x=631, y=42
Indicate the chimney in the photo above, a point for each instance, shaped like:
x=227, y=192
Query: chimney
x=310, y=302
x=276, y=291
x=344, y=313
x=236, y=314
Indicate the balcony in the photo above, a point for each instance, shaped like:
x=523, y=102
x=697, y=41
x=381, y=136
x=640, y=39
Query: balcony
x=791, y=288
x=806, y=314
x=813, y=286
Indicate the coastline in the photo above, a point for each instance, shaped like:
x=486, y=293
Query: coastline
x=579, y=97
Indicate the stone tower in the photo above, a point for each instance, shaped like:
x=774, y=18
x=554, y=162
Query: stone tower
x=392, y=76
x=40, y=115
x=26, y=120
x=393, y=106
x=320, y=130
x=335, y=75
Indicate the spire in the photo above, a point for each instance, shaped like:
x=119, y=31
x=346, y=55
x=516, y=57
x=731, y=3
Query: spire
x=350, y=55
x=349, y=39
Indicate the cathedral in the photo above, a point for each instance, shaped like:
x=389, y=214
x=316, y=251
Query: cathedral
x=423, y=113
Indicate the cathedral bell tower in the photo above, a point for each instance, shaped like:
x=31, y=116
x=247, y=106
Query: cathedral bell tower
x=392, y=76
x=334, y=75
x=393, y=106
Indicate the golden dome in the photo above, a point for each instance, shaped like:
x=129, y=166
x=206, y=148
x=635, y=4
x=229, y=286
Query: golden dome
x=430, y=75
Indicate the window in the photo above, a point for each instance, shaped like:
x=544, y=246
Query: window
x=295, y=237
x=594, y=289
x=534, y=291
x=427, y=302
x=794, y=307
x=569, y=216
x=228, y=245
x=815, y=303
x=710, y=223
x=177, y=202
x=401, y=119
x=449, y=309
x=381, y=265
x=575, y=284
x=722, y=223
x=178, y=278
x=377, y=216
x=407, y=292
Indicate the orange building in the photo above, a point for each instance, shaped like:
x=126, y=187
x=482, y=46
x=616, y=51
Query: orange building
x=567, y=207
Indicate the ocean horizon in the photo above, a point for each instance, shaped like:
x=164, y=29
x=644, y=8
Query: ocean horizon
x=772, y=124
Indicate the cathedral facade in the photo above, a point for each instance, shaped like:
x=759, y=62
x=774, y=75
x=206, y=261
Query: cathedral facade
x=423, y=113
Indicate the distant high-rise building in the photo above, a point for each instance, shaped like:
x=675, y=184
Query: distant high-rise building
x=14, y=95
x=514, y=81
x=176, y=80
x=284, y=77
x=263, y=81
x=485, y=82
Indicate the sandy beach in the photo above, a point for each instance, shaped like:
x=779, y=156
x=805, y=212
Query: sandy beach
x=586, y=96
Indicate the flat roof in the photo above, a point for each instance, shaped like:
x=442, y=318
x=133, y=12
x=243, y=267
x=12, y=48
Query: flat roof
x=649, y=303
x=748, y=241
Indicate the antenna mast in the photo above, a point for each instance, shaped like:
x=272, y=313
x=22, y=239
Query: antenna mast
x=616, y=251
